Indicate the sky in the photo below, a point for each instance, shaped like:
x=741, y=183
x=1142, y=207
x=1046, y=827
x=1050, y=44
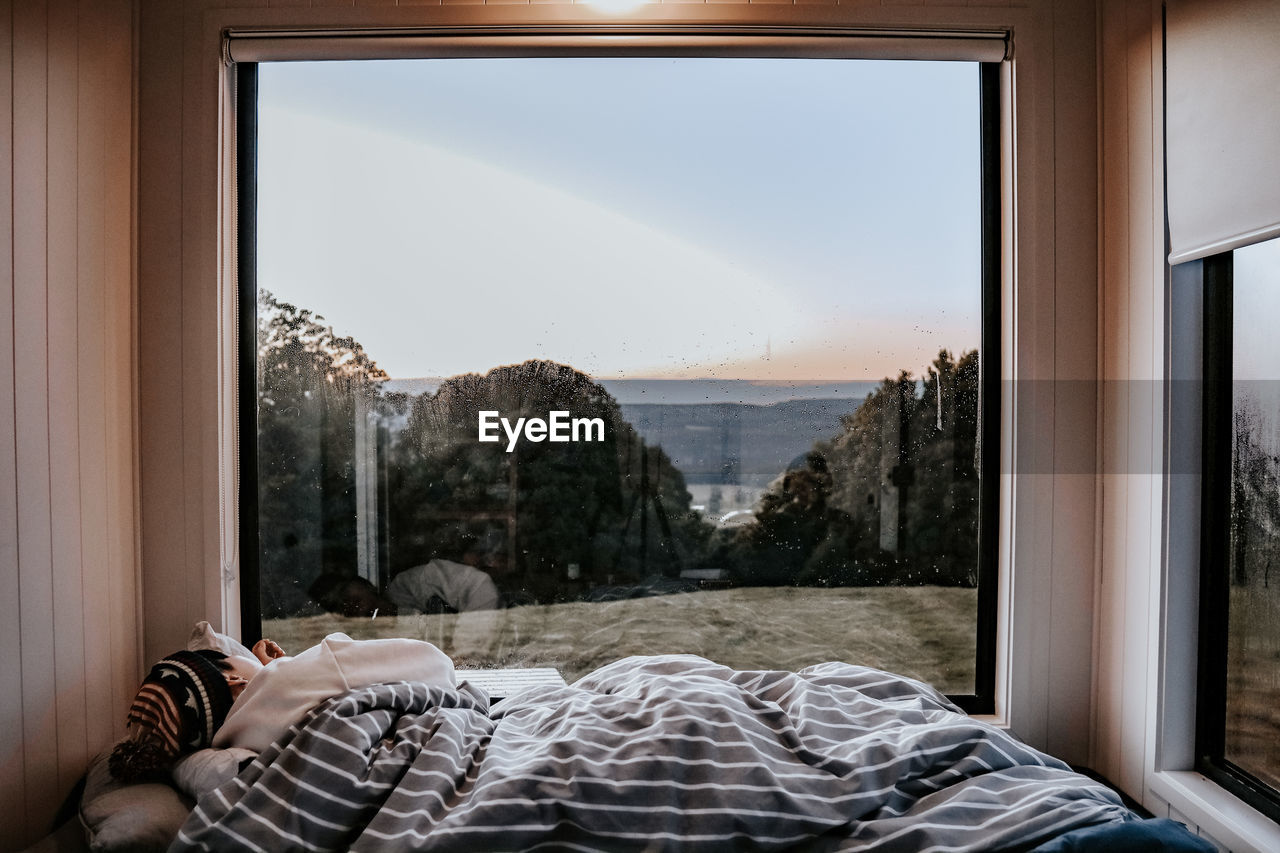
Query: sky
x=1256, y=293
x=767, y=219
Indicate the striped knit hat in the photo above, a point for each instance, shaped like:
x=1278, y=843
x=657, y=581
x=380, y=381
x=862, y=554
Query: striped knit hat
x=181, y=703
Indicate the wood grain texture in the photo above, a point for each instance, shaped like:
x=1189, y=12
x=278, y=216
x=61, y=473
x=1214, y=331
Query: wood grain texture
x=161, y=353
x=1075, y=372
x=1140, y=335
x=68, y=515
x=119, y=215
x=1114, y=133
x=205, y=326
x=199, y=290
x=31, y=405
x=93, y=380
x=1132, y=347
x=12, y=754
x=64, y=404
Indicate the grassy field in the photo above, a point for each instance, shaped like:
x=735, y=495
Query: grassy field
x=1253, y=687
x=924, y=632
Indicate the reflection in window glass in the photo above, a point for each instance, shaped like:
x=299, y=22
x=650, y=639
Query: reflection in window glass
x=1253, y=637
x=562, y=360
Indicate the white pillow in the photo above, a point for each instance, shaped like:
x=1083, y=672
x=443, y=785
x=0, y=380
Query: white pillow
x=132, y=818
x=205, y=769
x=204, y=637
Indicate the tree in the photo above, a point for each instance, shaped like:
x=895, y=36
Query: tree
x=616, y=508
x=798, y=537
x=891, y=499
x=1255, y=495
x=312, y=385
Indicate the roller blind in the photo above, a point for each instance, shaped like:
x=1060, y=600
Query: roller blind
x=1223, y=125
x=275, y=46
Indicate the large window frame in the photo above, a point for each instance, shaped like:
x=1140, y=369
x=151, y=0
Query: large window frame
x=992, y=110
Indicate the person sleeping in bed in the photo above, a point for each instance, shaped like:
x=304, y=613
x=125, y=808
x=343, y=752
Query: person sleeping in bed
x=192, y=700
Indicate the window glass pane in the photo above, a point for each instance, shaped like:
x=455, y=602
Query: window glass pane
x=1253, y=642
x=737, y=303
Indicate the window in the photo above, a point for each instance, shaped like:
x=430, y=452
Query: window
x=1237, y=719
x=563, y=359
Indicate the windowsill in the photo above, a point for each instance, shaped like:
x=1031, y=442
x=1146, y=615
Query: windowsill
x=501, y=683
x=991, y=720
x=1225, y=818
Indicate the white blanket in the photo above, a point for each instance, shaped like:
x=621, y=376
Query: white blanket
x=289, y=688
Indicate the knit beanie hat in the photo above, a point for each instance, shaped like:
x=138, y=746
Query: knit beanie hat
x=181, y=703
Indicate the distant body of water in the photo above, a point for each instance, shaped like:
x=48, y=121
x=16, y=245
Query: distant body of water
x=694, y=391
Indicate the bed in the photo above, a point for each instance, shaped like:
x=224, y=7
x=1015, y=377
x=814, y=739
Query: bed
x=659, y=753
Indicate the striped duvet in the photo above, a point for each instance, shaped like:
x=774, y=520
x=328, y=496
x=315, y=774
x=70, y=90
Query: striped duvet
x=660, y=753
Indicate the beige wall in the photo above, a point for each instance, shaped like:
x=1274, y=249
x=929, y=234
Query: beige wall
x=69, y=627
x=1132, y=277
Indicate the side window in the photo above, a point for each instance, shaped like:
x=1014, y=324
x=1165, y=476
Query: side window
x=1239, y=709
x=562, y=360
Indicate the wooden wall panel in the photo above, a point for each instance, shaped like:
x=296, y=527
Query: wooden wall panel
x=62, y=237
x=93, y=374
x=1109, y=679
x=1145, y=360
x=1075, y=373
x=161, y=355
x=1132, y=333
x=12, y=738
x=204, y=323
x=118, y=46
x=69, y=570
x=31, y=401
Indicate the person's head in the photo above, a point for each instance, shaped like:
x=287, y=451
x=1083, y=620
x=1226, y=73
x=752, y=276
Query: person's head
x=179, y=706
x=239, y=671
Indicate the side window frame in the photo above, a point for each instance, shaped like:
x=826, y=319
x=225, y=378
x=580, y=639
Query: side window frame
x=246, y=195
x=1215, y=543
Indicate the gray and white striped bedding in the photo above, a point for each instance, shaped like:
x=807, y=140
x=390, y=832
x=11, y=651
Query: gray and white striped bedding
x=660, y=753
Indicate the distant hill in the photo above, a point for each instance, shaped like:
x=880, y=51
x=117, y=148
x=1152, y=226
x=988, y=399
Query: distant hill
x=693, y=391
x=743, y=391
x=731, y=431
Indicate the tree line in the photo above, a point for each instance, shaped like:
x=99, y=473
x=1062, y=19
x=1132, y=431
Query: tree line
x=352, y=475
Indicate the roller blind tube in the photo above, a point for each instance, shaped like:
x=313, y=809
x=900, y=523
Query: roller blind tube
x=278, y=46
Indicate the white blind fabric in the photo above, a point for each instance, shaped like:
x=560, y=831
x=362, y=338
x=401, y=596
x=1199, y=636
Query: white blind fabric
x=1223, y=125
